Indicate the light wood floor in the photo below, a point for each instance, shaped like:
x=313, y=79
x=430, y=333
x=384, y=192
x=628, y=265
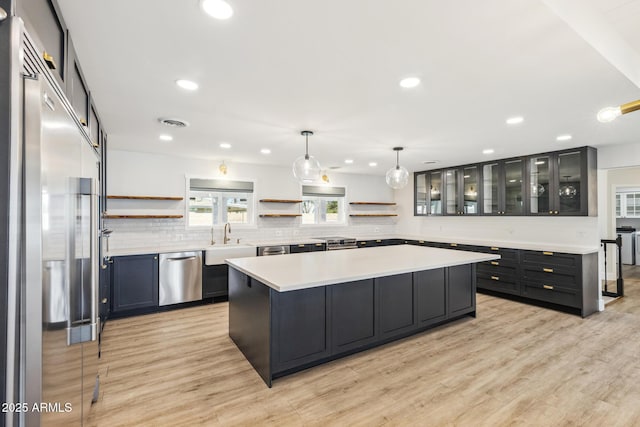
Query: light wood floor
x=514, y=364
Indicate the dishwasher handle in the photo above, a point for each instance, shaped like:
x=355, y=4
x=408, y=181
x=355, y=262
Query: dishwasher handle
x=184, y=258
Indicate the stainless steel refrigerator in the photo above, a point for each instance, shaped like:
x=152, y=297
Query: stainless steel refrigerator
x=59, y=322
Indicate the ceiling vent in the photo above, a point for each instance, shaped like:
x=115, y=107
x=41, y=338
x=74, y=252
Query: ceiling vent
x=175, y=123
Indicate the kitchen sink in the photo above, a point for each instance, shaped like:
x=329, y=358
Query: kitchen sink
x=216, y=254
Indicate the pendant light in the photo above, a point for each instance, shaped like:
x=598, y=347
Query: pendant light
x=567, y=190
x=398, y=176
x=306, y=168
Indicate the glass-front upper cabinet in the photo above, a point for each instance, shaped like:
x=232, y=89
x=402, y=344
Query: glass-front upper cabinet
x=560, y=183
x=451, y=193
x=632, y=205
x=569, y=183
x=513, y=187
x=539, y=190
x=502, y=187
x=470, y=190
x=428, y=193
x=618, y=205
x=435, y=192
x=420, y=194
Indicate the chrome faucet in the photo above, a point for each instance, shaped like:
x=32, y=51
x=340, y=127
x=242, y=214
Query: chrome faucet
x=213, y=242
x=226, y=239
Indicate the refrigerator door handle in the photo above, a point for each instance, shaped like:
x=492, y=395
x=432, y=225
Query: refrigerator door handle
x=80, y=328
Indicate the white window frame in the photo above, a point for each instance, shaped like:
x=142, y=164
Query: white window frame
x=251, y=205
x=342, y=210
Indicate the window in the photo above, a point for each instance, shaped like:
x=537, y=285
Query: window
x=215, y=202
x=322, y=205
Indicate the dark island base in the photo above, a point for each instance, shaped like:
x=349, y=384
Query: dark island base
x=284, y=332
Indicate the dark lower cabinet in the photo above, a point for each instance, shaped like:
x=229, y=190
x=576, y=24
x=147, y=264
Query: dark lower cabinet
x=307, y=247
x=395, y=304
x=430, y=290
x=135, y=284
x=462, y=289
x=215, y=280
x=299, y=327
x=283, y=332
x=353, y=320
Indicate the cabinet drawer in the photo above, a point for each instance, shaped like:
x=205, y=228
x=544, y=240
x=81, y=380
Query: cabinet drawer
x=496, y=270
x=551, y=278
x=551, y=293
x=505, y=254
x=505, y=284
x=544, y=258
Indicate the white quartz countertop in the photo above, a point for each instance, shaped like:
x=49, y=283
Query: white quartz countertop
x=531, y=246
x=313, y=269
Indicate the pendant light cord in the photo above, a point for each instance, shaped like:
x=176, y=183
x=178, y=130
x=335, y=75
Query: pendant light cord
x=306, y=145
x=397, y=159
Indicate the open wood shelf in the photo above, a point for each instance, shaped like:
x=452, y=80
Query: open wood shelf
x=109, y=216
x=372, y=215
x=145, y=198
x=373, y=203
x=280, y=201
x=278, y=215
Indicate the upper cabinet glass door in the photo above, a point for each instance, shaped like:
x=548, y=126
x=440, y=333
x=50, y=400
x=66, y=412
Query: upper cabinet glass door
x=513, y=197
x=451, y=195
x=490, y=188
x=435, y=192
x=539, y=181
x=618, y=205
x=569, y=183
x=470, y=190
x=632, y=205
x=421, y=195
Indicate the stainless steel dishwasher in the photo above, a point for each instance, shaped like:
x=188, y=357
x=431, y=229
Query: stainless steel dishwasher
x=180, y=277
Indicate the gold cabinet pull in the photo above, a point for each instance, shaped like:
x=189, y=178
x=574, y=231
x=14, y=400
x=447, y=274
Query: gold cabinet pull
x=453, y=244
x=301, y=246
x=421, y=241
x=495, y=278
x=547, y=287
x=495, y=263
x=363, y=243
x=378, y=241
x=48, y=59
x=548, y=270
x=493, y=248
x=547, y=253
x=318, y=244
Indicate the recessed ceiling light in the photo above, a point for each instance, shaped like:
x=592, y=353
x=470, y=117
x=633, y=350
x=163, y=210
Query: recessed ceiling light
x=166, y=138
x=373, y=164
x=409, y=82
x=515, y=120
x=429, y=162
x=217, y=8
x=187, y=84
x=334, y=167
x=349, y=161
x=488, y=151
x=563, y=138
x=265, y=151
x=225, y=145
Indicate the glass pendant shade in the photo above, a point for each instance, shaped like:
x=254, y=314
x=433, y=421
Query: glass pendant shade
x=306, y=169
x=568, y=191
x=397, y=177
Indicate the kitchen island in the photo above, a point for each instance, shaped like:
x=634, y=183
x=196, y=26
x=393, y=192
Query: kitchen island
x=291, y=312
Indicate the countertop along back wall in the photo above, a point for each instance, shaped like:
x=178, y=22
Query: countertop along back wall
x=133, y=173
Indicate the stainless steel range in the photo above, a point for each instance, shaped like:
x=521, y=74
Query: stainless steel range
x=335, y=242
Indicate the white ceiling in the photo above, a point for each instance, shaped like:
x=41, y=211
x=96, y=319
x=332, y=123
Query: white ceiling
x=332, y=66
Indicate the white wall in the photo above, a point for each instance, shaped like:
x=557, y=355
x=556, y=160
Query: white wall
x=619, y=156
x=132, y=173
